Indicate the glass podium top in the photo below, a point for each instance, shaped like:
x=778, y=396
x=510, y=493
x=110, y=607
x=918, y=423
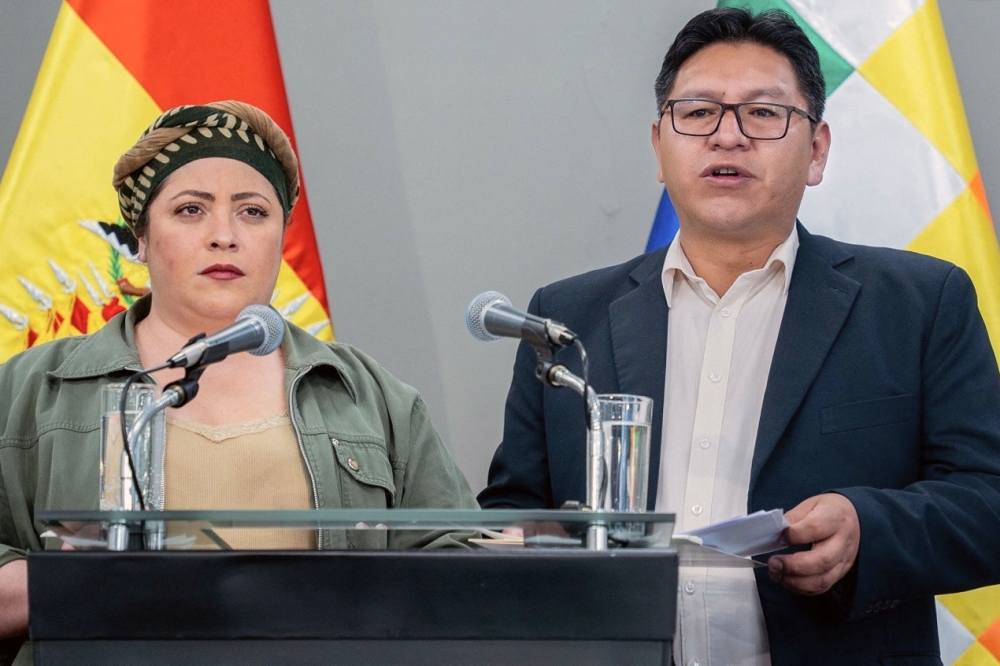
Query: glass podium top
x=376, y=529
x=492, y=529
x=396, y=519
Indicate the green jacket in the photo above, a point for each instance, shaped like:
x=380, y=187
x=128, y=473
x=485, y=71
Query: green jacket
x=344, y=406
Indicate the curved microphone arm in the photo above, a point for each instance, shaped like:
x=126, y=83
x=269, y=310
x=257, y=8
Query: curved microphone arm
x=559, y=375
x=175, y=394
x=168, y=399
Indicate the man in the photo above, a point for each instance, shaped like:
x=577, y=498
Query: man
x=854, y=387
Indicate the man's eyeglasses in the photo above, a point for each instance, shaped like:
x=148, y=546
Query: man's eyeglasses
x=757, y=120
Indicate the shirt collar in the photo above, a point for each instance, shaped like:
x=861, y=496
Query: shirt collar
x=676, y=263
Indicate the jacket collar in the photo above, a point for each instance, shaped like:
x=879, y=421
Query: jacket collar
x=820, y=299
x=304, y=353
x=109, y=350
x=112, y=350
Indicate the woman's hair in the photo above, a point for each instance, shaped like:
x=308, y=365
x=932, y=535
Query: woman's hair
x=187, y=133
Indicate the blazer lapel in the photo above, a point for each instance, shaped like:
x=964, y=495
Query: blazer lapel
x=638, y=322
x=819, y=300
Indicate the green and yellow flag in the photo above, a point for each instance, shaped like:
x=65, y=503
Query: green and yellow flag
x=903, y=173
x=67, y=263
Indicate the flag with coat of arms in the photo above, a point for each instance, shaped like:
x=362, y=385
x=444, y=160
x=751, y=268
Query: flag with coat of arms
x=67, y=261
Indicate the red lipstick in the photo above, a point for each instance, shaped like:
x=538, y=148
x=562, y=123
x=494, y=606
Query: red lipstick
x=222, y=272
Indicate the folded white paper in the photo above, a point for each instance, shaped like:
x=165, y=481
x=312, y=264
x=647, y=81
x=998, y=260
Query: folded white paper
x=746, y=536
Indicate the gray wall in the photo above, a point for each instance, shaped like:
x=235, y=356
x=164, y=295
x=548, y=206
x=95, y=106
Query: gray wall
x=451, y=147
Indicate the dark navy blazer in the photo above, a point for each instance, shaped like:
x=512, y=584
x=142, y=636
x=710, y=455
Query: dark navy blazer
x=883, y=387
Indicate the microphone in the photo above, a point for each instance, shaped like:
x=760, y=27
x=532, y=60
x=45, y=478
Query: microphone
x=258, y=329
x=490, y=316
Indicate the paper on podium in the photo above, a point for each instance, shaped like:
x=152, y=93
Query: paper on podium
x=728, y=544
x=746, y=536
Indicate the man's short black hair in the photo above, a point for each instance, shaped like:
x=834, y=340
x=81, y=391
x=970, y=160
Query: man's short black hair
x=773, y=28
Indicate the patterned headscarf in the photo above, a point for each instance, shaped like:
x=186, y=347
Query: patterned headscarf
x=188, y=133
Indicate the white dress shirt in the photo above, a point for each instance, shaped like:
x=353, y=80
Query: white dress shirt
x=719, y=352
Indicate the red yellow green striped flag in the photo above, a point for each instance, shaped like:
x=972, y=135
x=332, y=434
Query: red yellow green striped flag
x=903, y=173
x=111, y=67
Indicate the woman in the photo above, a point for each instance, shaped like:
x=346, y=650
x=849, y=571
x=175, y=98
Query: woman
x=208, y=191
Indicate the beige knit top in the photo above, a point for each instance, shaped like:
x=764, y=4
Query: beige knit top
x=251, y=465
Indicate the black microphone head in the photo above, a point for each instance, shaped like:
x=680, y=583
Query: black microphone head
x=270, y=320
x=475, y=314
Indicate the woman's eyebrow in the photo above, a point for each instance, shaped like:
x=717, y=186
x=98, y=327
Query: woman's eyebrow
x=207, y=196
x=241, y=196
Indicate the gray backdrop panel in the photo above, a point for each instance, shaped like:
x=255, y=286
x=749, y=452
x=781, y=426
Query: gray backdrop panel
x=451, y=147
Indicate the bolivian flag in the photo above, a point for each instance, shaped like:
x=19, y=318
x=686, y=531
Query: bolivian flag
x=112, y=66
x=903, y=173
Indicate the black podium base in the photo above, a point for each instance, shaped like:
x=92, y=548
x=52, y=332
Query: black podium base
x=438, y=607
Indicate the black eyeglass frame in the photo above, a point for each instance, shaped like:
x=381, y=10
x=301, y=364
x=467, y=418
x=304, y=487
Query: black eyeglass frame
x=736, y=112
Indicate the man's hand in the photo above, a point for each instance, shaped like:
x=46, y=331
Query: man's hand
x=830, y=523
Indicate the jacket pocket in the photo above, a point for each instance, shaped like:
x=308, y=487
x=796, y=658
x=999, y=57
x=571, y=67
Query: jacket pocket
x=367, y=465
x=868, y=414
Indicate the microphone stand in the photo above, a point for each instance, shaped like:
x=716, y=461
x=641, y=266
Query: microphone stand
x=558, y=375
x=174, y=394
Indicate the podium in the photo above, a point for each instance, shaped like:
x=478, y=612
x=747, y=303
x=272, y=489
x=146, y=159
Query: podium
x=518, y=606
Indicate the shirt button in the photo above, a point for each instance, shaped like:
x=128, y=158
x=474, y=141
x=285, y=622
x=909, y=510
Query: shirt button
x=694, y=663
x=334, y=441
x=689, y=587
x=704, y=443
x=696, y=509
x=715, y=377
x=725, y=312
x=353, y=464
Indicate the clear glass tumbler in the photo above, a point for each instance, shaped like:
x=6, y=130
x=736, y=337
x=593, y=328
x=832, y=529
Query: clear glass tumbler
x=148, y=448
x=626, y=425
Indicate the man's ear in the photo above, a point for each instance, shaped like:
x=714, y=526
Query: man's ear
x=654, y=137
x=142, y=248
x=820, y=153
